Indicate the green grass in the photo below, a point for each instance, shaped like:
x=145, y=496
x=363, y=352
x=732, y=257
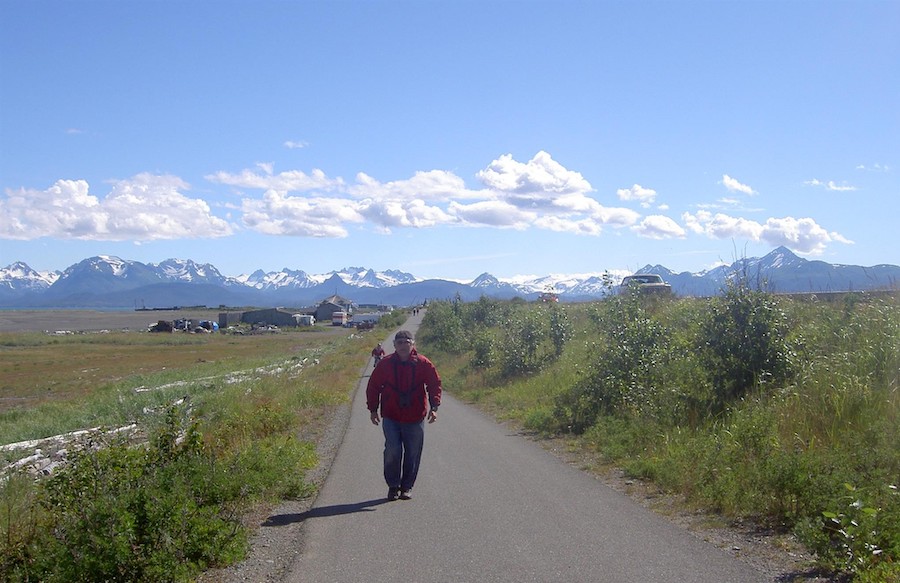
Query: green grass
x=171, y=508
x=769, y=409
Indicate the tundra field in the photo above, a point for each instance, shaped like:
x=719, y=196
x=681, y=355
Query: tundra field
x=92, y=320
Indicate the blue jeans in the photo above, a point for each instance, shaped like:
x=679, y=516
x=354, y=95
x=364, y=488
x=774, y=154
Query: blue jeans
x=402, y=452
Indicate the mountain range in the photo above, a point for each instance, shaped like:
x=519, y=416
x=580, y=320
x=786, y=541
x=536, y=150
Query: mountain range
x=110, y=282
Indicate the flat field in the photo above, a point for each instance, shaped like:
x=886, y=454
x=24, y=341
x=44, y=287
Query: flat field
x=109, y=347
x=93, y=320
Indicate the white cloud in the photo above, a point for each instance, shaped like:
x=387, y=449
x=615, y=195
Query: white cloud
x=432, y=185
x=839, y=187
x=734, y=186
x=802, y=235
x=540, y=194
x=493, y=213
x=645, y=196
x=575, y=227
x=294, y=180
x=874, y=167
x=279, y=214
x=294, y=145
x=539, y=179
x=659, y=227
x=396, y=213
x=144, y=208
x=830, y=185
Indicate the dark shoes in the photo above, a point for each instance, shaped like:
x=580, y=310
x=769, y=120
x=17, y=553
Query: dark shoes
x=394, y=493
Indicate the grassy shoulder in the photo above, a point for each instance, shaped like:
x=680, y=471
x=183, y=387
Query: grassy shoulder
x=217, y=427
x=761, y=408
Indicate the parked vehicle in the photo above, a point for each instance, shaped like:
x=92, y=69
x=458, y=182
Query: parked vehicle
x=645, y=283
x=305, y=319
x=339, y=318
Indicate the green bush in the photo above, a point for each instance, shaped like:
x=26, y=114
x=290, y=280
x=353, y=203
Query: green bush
x=133, y=514
x=862, y=534
x=758, y=406
x=626, y=371
x=161, y=512
x=743, y=343
x=442, y=327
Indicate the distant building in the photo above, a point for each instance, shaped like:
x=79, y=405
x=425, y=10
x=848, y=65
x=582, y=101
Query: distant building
x=268, y=316
x=333, y=304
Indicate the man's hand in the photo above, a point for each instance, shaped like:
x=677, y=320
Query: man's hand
x=374, y=417
x=432, y=416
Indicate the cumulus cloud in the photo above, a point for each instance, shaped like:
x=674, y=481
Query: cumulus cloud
x=398, y=213
x=802, y=235
x=638, y=193
x=734, y=186
x=541, y=178
x=278, y=214
x=587, y=226
x=146, y=207
x=659, y=227
x=432, y=185
x=539, y=194
x=493, y=213
x=294, y=144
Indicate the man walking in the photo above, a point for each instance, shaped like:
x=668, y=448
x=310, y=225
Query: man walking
x=407, y=388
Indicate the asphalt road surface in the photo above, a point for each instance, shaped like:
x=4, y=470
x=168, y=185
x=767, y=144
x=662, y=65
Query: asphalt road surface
x=489, y=506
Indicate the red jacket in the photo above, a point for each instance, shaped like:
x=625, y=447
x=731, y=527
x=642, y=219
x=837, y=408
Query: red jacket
x=405, y=390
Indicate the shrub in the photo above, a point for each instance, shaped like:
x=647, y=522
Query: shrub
x=160, y=512
x=560, y=328
x=863, y=535
x=627, y=365
x=442, y=327
x=522, y=335
x=743, y=343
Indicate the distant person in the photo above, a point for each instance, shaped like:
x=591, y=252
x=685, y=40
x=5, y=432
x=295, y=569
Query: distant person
x=378, y=353
x=407, y=388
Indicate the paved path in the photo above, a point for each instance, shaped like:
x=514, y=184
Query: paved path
x=489, y=506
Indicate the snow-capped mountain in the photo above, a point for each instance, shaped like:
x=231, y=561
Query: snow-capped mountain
x=363, y=277
x=19, y=277
x=108, y=281
x=298, y=279
x=190, y=272
x=261, y=280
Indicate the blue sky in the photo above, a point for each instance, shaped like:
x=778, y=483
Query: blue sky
x=448, y=139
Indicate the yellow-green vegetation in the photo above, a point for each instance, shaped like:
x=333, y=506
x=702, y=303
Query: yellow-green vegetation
x=225, y=425
x=779, y=410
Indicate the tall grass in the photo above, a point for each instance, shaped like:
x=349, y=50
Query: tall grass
x=762, y=407
x=169, y=505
